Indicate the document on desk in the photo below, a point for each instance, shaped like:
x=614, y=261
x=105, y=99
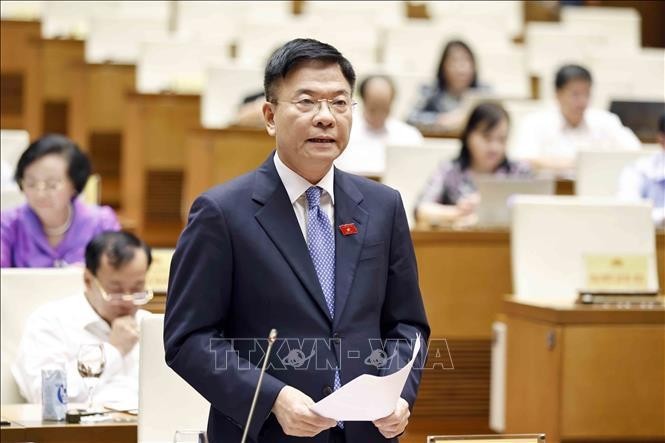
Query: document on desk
x=367, y=397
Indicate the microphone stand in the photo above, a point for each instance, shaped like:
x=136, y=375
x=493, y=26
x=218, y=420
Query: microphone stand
x=271, y=339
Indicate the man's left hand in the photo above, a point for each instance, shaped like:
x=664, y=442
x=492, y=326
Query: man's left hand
x=394, y=424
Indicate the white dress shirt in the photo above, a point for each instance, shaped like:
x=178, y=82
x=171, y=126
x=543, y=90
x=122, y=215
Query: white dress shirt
x=296, y=186
x=53, y=335
x=547, y=134
x=366, y=151
x=645, y=180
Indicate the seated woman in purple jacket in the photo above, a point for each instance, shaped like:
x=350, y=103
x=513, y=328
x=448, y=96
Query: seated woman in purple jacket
x=54, y=226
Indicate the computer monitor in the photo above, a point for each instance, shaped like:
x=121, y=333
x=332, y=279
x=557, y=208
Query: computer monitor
x=496, y=193
x=640, y=116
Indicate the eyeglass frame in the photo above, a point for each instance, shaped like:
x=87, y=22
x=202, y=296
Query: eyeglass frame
x=317, y=108
x=50, y=186
x=124, y=296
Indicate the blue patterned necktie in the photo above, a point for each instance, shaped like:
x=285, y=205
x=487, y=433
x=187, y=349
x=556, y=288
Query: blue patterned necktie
x=321, y=245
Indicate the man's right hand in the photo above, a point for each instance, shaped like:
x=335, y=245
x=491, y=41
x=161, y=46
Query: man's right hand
x=292, y=411
x=124, y=334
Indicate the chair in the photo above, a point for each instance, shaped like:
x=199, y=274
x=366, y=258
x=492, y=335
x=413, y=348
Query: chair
x=158, y=274
x=533, y=438
x=408, y=168
x=176, y=65
x=166, y=402
x=225, y=87
x=210, y=22
x=551, y=237
x=621, y=25
x=21, y=10
x=408, y=88
x=67, y=19
x=482, y=13
x=11, y=198
x=505, y=72
x=615, y=79
x=72, y=19
x=22, y=291
x=92, y=191
x=598, y=171
x=13, y=142
x=518, y=109
x=384, y=13
x=105, y=44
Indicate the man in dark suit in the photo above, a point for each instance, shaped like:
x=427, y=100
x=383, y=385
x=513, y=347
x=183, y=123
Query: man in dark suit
x=322, y=256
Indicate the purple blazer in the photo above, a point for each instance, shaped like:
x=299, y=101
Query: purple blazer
x=25, y=245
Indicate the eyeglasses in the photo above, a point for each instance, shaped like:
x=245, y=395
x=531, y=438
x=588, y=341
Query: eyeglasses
x=310, y=105
x=138, y=298
x=43, y=185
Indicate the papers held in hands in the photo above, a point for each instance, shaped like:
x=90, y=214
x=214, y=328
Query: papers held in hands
x=367, y=397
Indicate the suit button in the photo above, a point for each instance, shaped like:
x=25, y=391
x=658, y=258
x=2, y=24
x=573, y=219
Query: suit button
x=327, y=391
x=336, y=336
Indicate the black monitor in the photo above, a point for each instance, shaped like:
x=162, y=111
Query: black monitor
x=640, y=116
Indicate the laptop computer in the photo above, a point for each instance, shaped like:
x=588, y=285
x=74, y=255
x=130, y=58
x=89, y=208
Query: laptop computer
x=598, y=171
x=496, y=193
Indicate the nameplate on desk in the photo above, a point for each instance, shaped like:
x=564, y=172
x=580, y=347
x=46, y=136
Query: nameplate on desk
x=646, y=299
x=615, y=273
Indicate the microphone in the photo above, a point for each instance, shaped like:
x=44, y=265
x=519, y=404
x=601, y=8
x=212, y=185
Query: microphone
x=271, y=340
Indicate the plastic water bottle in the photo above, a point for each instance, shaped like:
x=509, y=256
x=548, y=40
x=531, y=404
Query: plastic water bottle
x=54, y=394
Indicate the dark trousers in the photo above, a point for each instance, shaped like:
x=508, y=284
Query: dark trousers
x=337, y=435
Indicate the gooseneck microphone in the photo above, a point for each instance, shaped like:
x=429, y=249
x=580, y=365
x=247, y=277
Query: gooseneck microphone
x=271, y=340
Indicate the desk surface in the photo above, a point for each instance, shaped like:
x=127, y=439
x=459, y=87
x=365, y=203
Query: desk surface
x=586, y=314
x=27, y=425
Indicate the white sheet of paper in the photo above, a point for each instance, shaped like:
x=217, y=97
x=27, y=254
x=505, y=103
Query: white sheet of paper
x=367, y=397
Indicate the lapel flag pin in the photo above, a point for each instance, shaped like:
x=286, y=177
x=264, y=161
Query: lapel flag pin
x=348, y=229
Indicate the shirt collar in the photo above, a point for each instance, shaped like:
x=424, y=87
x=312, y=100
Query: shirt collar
x=296, y=185
x=565, y=126
x=91, y=321
x=89, y=318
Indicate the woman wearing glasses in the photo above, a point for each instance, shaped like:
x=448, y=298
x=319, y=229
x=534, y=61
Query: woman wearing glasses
x=53, y=227
x=450, y=196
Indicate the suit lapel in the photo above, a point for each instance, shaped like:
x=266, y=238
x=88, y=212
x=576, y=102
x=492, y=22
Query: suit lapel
x=347, y=247
x=279, y=221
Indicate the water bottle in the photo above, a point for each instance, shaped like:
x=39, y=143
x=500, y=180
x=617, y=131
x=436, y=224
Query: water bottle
x=54, y=394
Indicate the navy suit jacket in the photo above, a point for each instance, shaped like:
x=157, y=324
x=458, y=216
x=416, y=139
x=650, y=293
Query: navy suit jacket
x=242, y=267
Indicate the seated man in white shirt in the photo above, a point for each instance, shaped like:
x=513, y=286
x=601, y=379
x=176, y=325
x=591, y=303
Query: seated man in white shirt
x=374, y=129
x=107, y=313
x=550, y=139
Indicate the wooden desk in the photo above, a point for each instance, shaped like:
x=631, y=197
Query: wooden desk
x=218, y=155
x=27, y=425
x=584, y=372
x=153, y=159
x=464, y=276
x=17, y=74
x=97, y=117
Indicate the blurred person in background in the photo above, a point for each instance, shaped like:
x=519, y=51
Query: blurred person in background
x=53, y=227
x=450, y=196
x=645, y=179
x=108, y=313
x=441, y=105
x=550, y=139
x=250, y=111
x=374, y=129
